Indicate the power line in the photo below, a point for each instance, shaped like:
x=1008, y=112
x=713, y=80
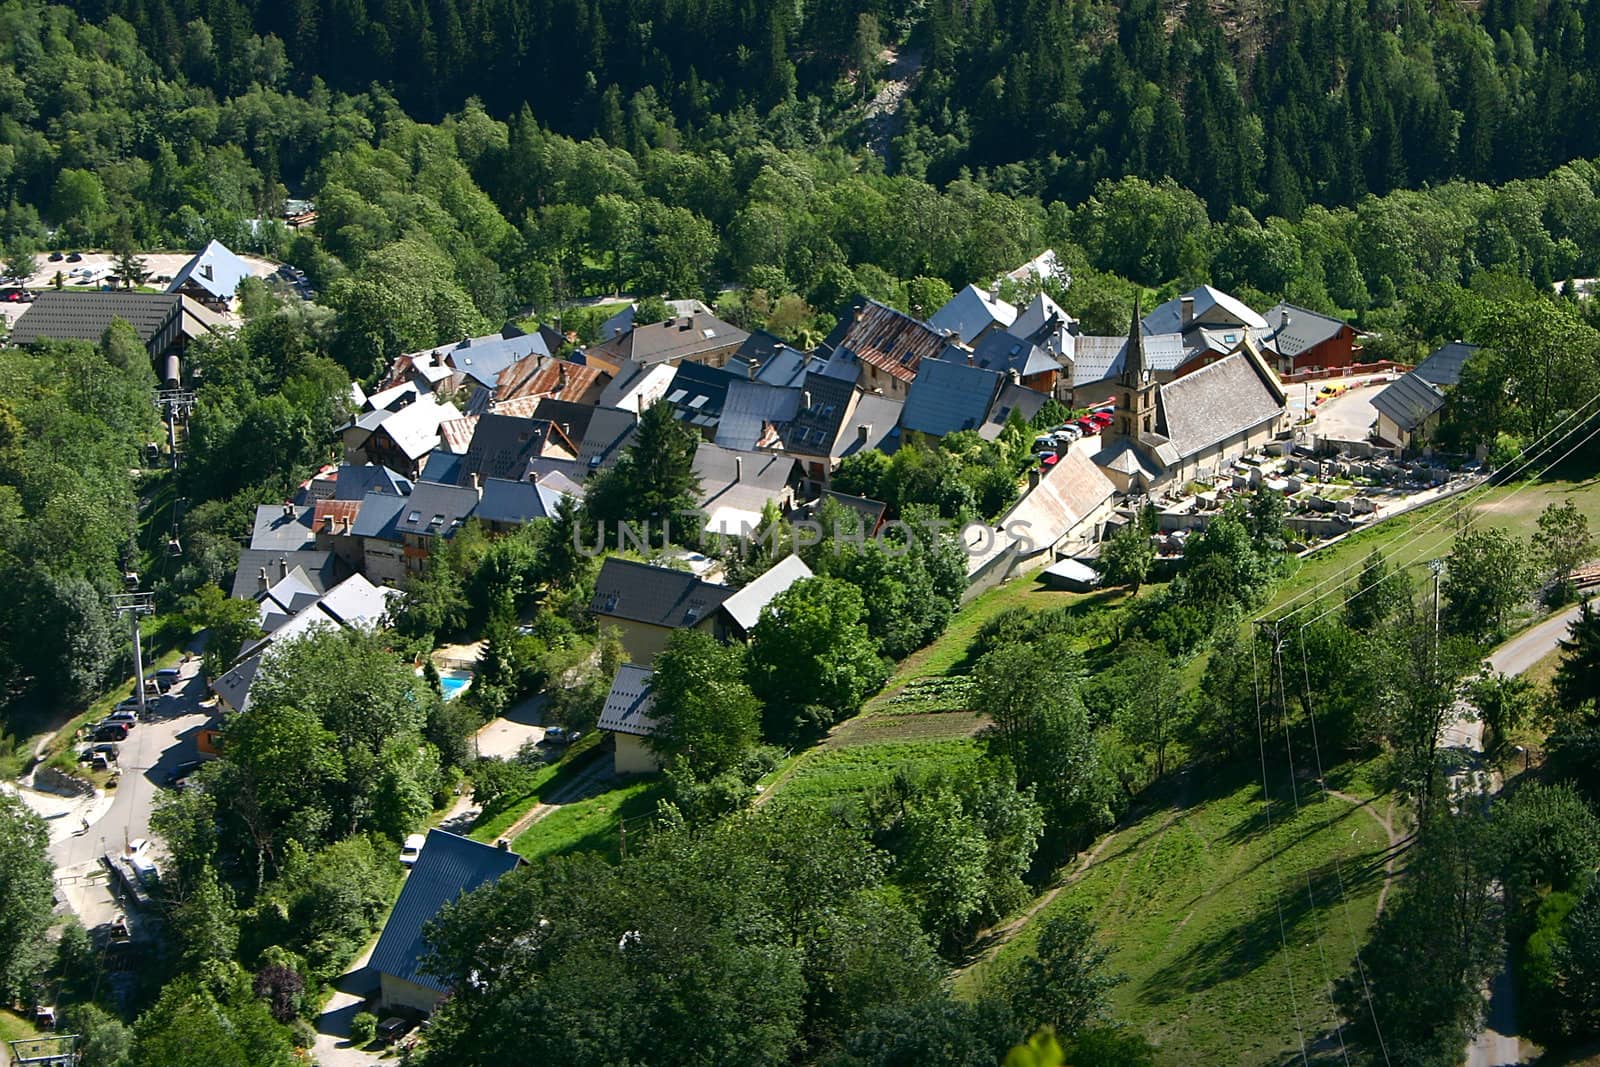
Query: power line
x=1272, y=863
x=1526, y=458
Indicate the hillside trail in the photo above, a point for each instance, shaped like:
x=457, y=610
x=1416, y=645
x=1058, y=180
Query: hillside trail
x=882, y=117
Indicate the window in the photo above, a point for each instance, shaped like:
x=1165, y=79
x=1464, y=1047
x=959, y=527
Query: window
x=415, y=516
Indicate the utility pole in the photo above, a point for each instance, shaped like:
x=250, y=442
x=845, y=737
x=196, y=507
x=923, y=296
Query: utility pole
x=175, y=404
x=133, y=605
x=1437, y=567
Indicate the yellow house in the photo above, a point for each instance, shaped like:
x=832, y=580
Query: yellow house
x=646, y=604
x=627, y=715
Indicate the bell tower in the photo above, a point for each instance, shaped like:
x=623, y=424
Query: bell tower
x=1136, y=392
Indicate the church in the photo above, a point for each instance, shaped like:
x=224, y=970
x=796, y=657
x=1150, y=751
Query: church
x=1193, y=427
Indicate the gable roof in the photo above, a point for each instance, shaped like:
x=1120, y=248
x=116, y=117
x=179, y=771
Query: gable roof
x=62, y=316
x=697, y=395
x=415, y=428
x=511, y=502
x=1012, y=397
x=1305, y=328
x=630, y=705
x=435, y=510
x=1004, y=352
x=1040, y=312
x=622, y=321
x=969, y=313
x=1067, y=494
x=872, y=426
x=322, y=569
x=356, y=481
x=342, y=513
x=215, y=269
x=678, y=338
x=448, y=866
x=1443, y=365
x=656, y=596
x=1216, y=402
x=949, y=395
x=443, y=465
x=1212, y=307
x=282, y=528
x=753, y=412
x=824, y=405
x=378, y=515
x=502, y=446
x=744, y=607
x=1409, y=401
x=610, y=430
x=1097, y=359
x=890, y=340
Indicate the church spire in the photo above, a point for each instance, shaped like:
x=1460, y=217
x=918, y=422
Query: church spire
x=1134, y=371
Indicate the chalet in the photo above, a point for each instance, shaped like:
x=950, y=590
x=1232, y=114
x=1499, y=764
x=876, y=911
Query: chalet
x=646, y=604
x=697, y=338
x=212, y=277
x=1190, y=427
x=399, y=440
x=1309, y=340
x=448, y=867
x=1213, y=325
x=432, y=513
x=165, y=322
x=879, y=349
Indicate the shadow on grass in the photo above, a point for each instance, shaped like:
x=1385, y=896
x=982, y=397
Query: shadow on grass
x=604, y=836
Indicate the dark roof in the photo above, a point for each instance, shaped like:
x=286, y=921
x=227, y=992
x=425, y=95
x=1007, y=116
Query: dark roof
x=322, y=569
x=448, y=867
x=1001, y=351
x=234, y=685
x=442, y=466
x=62, y=316
x=629, y=705
x=610, y=430
x=680, y=337
x=1443, y=367
x=871, y=511
x=1012, y=397
x=1409, y=400
x=434, y=510
x=654, y=595
x=572, y=417
x=1306, y=328
x=502, y=445
x=697, y=395
x=510, y=502
x=873, y=426
x=355, y=482
x=890, y=340
x=1212, y=307
x=753, y=410
x=378, y=515
x=949, y=395
x=824, y=405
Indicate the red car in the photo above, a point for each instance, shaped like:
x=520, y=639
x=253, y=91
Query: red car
x=1101, y=419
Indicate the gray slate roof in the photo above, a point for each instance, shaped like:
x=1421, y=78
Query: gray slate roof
x=282, y=533
x=1212, y=307
x=355, y=482
x=1097, y=359
x=750, y=408
x=377, y=518
x=502, y=445
x=510, y=502
x=873, y=426
x=949, y=396
x=970, y=312
x=1215, y=403
x=1306, y=328
x=63, y=316
x=434, y=510
x=323, y=569
x=448, y=867
x=610, y=431
x=824, y=403
x=1002, y=352
x=629, y=706
x=1012, y=397
x=654, y=595
x=1409, y=400
x=1443, y=366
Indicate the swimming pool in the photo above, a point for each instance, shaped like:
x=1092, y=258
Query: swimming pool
x=454, y=682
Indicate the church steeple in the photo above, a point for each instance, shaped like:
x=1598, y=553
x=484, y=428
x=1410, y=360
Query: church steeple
x=1134, y=372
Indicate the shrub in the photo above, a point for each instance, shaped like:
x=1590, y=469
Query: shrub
x=302, y=1033
x=363, y=1028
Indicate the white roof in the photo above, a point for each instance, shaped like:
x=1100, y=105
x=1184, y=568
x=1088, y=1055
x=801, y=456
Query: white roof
x=970, y=312
x=1073, y=571
x=1044, y=265
x=638, y=391
x=744, y=607
x=1212, y=307
x=415, y=428
x=1038, y=312
x=357, y=602
x=215, y=269
x=379, y=401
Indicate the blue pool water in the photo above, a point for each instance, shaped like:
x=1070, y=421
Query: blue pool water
x=453, y=682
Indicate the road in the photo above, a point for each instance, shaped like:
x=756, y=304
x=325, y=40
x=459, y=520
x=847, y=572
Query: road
x=1347, y=417
x=1496, y=1044
x=149, y=754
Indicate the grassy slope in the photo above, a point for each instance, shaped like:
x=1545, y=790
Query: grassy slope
x=593, y=824
x=1186, y=897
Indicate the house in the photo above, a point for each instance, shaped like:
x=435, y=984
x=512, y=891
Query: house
x=448, y=867
x=295, y=605
x=736, y=486
x=383, y=551
x=870, y=514
x=753, y=414
x=1045, y=267
x=696, y=397
x=950, y=395
x=502, y=446
x=622, y=321
x=212, y=277
x=636, y=388
x=1064, y=506
x=1045, y=324
x=473, y=363
x=508, y=504
x=1012, y=398
x=433, y=512
x=1212, y=323
x=333, y=522
x=739, y=613
x=766, y=358
x=835, y=420
x=1030, y=363
x=610, y=432
x=879, y=348
x=1410, y=408
x=536, y=379
x=258, y=568
x=647, y=603
x=628, y=715
x=1309, y=340
x=971, y=314
x=1192, y=426
x=283, y=528
x=402, y=439
x=165, y=322
x=697, y=338
x=357, y=481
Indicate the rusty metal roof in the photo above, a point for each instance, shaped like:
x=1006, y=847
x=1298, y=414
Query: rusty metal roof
x=890, y=340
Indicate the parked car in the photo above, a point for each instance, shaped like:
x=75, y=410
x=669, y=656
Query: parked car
x=393, y=1029
x=411, y=850
x=555, y=735
x=1073, y=433
x=108, y=750
x=74, y=257
x=16, y=295
x=110, y=731
x=126, y=716
x=119, y=927
x=167, y=677
x=55, y=257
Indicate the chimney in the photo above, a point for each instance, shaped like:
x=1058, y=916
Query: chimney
x=738, y=468
x=328, y=524
x=563, y=370
x=1285, y=323
x=477, y=483
x=971, y=362
x=1187, y=303
x=1033, y=477
x=805, y=400
x=752, y=370
x=566, y=430
x=1015, y=375
x=864, y=432
x=261, y=580
x=283, y=568
x=288, y=510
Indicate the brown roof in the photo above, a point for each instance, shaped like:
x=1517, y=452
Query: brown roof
x=889, y=340
x=677, y=339
x=536, y=378
x=343, y=513
x=456, y=434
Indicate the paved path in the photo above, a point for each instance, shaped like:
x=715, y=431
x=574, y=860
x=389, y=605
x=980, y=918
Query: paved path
x=349, y=998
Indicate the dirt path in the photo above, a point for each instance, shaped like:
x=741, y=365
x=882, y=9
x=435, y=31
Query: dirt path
x=599, y=774
x=1396, y=839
